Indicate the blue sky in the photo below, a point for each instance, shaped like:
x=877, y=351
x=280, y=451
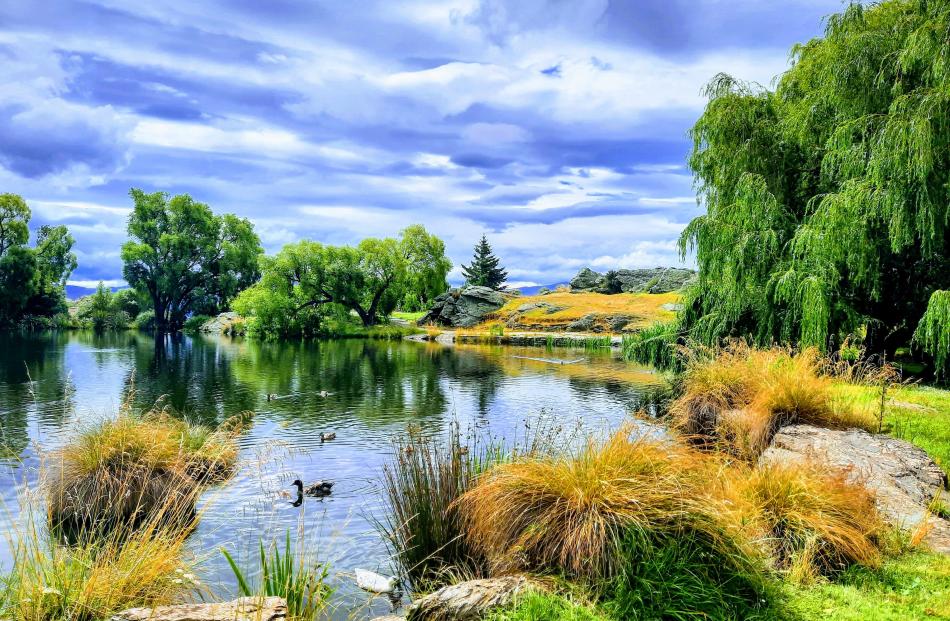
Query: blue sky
x=557, y=127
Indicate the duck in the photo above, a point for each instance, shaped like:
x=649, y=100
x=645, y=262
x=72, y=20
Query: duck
x=318, y=489
x=271, y=397
x=375, y=583
x=299, y=500
x=324, y=394
x=326, y=436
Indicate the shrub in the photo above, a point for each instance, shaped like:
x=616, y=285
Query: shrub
x=193, y=324
x=132, y=467
x=291, y=575
x=423, y=525
x=570, y=514
x=144, y=321
x=656, y=345
x=742, y=396
x=813, y=519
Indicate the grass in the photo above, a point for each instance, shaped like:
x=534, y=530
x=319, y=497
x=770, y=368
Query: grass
x=642, y=308
x=537, y=606
x=411, y=317
x=911, y=587
x=569, y=514
x=814, y=522
x=739, y=398
x=95, y=576
x=131, y=467
x=300, y=580
x=656, y=345
x=423, y=526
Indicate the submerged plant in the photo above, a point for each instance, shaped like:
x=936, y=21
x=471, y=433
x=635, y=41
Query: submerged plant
x=291, y=575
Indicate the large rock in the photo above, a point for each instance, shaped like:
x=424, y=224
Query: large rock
x=241, y=609
x=655, y=280
x=903, y=478
x=222, y=324
x=464, y=308
x=469, y=601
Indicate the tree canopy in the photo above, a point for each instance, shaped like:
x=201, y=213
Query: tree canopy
x=32, y=280
x=484, y=270
x=307, y=281
x=828, y=198
x=185, y=258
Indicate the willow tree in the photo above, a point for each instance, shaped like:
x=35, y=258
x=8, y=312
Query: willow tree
x=828, y=198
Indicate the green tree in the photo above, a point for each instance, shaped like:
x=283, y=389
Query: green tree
x=307, y=282
x=828, y=199
x=427, y=268
x=32, y=280
x=184, y=258
x=484, y=269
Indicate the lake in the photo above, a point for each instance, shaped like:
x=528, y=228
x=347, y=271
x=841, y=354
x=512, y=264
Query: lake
x=52, y=384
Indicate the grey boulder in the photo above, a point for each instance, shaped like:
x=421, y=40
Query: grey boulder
x=241, y=609
x=471, y=600
x=465, y=307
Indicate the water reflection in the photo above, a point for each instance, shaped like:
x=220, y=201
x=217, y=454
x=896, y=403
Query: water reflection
x=366, y=392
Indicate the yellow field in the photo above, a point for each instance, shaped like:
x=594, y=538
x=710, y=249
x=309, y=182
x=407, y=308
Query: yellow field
x=642, y=309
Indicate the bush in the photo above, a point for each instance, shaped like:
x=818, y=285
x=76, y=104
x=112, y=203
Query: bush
x=739, y=398
x=571, y=514
x=656, y=345
x=144, y=321
x=134, y=467
x=193, y=324
x=814, y=521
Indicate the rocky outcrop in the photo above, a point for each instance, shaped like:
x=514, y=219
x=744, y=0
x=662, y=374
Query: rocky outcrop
x=464, y=308
x=225, y=323
x=241, y=609
x=656, y=280
x=471, y=600
x=903, y=478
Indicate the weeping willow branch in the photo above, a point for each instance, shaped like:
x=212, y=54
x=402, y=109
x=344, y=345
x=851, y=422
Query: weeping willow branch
x=933, y=331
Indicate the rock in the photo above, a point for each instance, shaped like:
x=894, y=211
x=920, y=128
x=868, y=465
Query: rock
x=464, y=308
x=902, y=476
x=618, y=322
x=655, y=280
x=241, y=609
x=222, y=324
x=532, y=306
x=469, y=601
x=587, y=323
x=389, y=618
x=587, y=280
x=673, y=308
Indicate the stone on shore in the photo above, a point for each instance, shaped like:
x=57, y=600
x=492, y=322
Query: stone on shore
x=465, y=307
x=471, y=600
x=225, y=323
x=241, y=609
x=902, y=476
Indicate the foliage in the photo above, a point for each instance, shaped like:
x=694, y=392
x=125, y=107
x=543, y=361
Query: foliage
x=193, y=324
x=827, y=198
x=103, y=310
x=291, y=575
x=815, y=520
x=571, y=514
x=185, y=259
x=933, y=331
x=427, y=268
x=423, y=526
x=484, y=270
x=144, y=321
x=657, y=345
x=32, y=280
x=739, y=398
x=307, y=283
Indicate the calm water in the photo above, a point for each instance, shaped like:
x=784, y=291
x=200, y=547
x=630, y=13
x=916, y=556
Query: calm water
x=51, y=384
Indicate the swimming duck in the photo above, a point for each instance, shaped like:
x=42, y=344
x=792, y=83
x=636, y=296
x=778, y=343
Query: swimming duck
x=324, y=394
x=271, y=397
x=326, y=436
x=299, y=500
x=375, y=583
x=318, y=489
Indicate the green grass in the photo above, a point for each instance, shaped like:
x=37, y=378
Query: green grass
x=915, y=586
x=411, y=317
x=538, y=606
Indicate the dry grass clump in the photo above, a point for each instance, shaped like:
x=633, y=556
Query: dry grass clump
x=134, y=466
x=811, y=518
x=95, y=577
x=571, y=513
x=738, y=399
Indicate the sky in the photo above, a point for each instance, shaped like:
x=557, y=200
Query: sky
x=556, y=127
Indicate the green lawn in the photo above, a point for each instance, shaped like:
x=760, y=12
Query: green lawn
x=410, y=317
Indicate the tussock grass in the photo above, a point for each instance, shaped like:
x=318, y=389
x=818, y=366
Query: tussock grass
x=537, y=606
x=570, y=514
x=95, y=576
x=133, y=467
x=812, y=520
x=738, y=399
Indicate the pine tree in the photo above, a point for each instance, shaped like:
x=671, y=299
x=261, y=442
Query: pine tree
x=484, y=270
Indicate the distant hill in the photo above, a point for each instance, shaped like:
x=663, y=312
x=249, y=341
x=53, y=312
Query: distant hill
x=537, y=288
